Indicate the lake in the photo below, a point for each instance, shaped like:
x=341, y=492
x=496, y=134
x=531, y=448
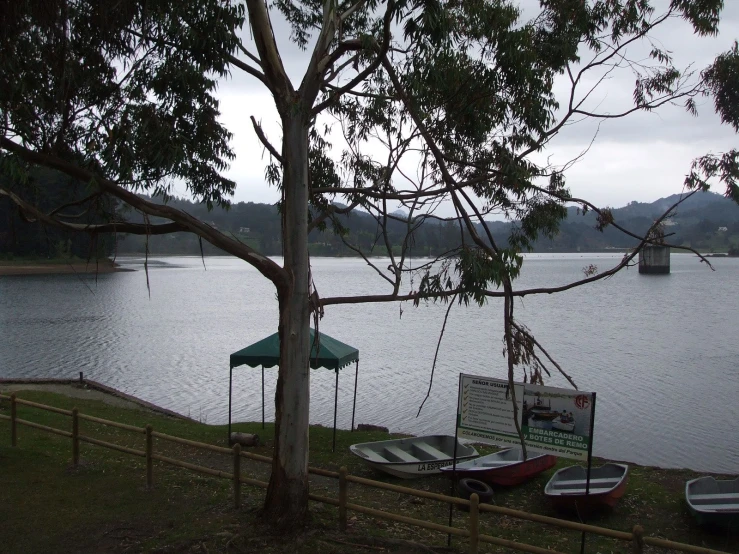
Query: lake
x=660, y=351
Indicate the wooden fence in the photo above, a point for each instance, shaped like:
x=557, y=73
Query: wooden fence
x=636, y=537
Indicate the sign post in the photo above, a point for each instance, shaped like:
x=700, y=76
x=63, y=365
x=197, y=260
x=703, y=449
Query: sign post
x=454, y=468
x=590, y=460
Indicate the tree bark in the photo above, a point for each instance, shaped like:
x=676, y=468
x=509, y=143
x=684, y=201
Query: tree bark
x=287, y=496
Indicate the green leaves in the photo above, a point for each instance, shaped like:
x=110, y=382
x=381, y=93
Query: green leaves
x=478, y=272
x=469, y=275
x=724, y=168
x=704, y=15
x=126, y=89
x=722, y=78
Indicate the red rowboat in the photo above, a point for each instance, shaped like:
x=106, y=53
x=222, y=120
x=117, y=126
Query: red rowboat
x=567, y=487
x=505, y=468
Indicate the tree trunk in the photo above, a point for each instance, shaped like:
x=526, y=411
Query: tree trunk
x=287, y=495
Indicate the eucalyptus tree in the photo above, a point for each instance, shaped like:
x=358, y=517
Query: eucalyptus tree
x=123, y=97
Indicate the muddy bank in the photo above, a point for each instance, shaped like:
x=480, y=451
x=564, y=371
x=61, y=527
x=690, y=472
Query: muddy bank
x=40, y=268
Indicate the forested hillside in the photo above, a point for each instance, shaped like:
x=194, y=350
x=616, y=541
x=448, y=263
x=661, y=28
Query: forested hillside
x=707, y=222
x=22, y=237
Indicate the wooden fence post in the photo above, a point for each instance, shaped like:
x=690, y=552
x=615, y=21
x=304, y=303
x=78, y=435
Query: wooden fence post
x=149, y=460
x=237, y=475
x=474, y=522
x=638, y=544
x=75, y=437
x=13, y=424
x=342, y=498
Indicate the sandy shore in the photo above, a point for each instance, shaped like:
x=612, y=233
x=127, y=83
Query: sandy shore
x=38, y=268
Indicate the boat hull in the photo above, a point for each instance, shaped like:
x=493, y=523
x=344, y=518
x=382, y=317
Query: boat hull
x=590, y=502
x=509, y=475
x=411, y=470
x=719, y=519
x=713, y=502
x=566, y=488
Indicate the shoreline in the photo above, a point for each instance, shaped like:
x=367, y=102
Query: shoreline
x=82, y=387
x=21, y=267
x=43, y=479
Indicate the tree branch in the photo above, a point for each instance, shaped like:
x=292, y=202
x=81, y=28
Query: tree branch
x=540, y=347
x=245, y=67
x=351, y=9
x=75, y=203
x=93, y=228
x=330, y=212
x=263, y=138
x=263, y=264
x=313, y=74
x=274, y=70
x=362, y=75
x=436, y=356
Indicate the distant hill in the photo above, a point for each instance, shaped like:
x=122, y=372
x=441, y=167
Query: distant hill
x=707, y=221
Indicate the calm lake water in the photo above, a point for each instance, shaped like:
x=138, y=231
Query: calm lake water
x=660, y=351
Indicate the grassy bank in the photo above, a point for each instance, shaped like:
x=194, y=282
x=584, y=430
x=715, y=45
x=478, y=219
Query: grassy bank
x=48, y=506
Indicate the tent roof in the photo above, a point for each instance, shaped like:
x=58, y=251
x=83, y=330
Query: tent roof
x=332, y=354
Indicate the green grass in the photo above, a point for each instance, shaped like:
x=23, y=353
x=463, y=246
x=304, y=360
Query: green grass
x=48, y=506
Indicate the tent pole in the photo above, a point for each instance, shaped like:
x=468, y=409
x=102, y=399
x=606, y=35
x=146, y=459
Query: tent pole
x=336, y=404
x=230, y=386
x=262, y=397
x=354, y=404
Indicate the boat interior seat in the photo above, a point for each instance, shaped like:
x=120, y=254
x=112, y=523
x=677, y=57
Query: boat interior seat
x=427, y=452
x=583, y=482
x=719, y=507
x=711, y=498
x=395, y=454
x=593, y=490
x=372, y=456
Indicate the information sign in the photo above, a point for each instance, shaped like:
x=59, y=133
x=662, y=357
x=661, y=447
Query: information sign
x=553, y=420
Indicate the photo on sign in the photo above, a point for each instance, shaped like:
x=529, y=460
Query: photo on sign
x=552, y=409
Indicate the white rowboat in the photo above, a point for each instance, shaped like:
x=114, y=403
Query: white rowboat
x=558, y=424
x=714, y=501
x=566, y=489
x=414, y=456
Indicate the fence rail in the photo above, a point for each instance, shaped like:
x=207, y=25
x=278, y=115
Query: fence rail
x=140, y=430
x=636, y=538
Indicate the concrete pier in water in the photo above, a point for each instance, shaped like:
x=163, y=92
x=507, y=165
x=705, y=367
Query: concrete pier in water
x=654, y=260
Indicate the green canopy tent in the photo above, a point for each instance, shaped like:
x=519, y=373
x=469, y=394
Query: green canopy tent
x=329, y=353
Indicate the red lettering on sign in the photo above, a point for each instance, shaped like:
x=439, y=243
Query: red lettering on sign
x=582, y=401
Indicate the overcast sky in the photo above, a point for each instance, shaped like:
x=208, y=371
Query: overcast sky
x=642, y=157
